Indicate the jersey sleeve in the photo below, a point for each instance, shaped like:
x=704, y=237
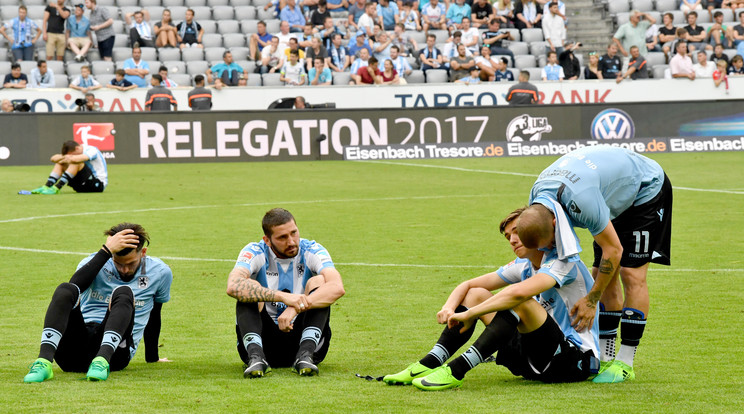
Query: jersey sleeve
x=511, y=273
x=251, y=258
x=560, y=270
x=317, y=257
x=91, y=153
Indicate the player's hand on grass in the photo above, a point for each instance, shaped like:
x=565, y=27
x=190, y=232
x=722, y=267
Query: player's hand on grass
x=444, y=315
x=583, y=312
x=285, y=319
x=460, y=318
x=164, y=360
x=122, y=240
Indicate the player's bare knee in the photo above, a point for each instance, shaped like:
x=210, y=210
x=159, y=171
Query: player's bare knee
x=476, y=296
x=531, y=314
x=314, y=283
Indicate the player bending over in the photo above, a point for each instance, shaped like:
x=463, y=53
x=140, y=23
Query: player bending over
x=284, y=286
x=96, y=321
x=533, y=338
x=81, y=166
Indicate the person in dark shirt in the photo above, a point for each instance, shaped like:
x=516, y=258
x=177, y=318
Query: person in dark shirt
x=570, y=63
x=610, y=64
x=523, y=93
x=159, y=98
x=120, y=83
x=15, y=79
x=200, y=98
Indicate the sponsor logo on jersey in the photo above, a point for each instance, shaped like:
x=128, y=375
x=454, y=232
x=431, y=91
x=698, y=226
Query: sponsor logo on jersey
x=612, y=124
x=143, y=282
x=99, y=135
x=527, y=128
x=510, y=264
x=574, y=208
x=272, y=274
x=245, y=257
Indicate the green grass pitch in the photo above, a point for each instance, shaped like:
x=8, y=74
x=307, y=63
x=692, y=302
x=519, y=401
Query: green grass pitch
x=402, y=235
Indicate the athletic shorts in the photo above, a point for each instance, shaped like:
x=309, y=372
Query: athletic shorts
x=280, y=348
x=645, y=231
x=570, y=364
x=86, y=182
x=106, y=47
x=81, y=341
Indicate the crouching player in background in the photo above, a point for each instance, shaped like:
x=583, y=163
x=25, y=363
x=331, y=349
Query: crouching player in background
x=284, y=286
x=97, y=320
x=532, y=338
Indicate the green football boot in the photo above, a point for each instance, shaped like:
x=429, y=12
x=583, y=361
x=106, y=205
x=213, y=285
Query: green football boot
x=617, y=372
x=603, y=365
x=49, y=190
x=98, y=370
x=38, y=190
x=440, y=379
x=40, y=370
x=405, y=377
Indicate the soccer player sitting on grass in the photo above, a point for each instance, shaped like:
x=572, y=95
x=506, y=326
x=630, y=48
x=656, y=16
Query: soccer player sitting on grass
x=81, y=166
x=284, y=286
x=96, y=321
x=533, y=338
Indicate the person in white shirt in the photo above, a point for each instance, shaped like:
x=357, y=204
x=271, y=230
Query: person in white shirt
x=140, y=30
x=703, y=68
x=293, y=72
x=554, y=29
x=41, y=76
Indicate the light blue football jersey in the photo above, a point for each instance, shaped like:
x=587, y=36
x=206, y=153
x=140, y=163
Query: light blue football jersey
x=151, y=283
x=96, y=163
x=600, y=183
x=289, y=275
x=573, y=282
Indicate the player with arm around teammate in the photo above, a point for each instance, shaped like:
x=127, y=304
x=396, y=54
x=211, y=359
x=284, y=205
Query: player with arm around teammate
x=81, y=166
x=526, y=333
x=284, y=286
x=96, y=321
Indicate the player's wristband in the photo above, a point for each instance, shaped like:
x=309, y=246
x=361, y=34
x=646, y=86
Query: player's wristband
x=106, y=249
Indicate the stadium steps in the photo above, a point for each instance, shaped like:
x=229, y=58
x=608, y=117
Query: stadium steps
x=589, y=24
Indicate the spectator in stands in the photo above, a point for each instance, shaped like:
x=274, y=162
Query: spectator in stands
x=569, y=62
x=190, y=32
x=360, y=42
x=473, y=78
x=136, y=68
x=528, y=14
x=450, y=48
x=41, y=76
x=318, y=16
x=388, y=74
x=681, y=64
x=120, y=83
x=284, y=35
x=85, y=82
x=90, y=104
x=22, y=43
x=592, y=70
x=738, y=30
x=733, y=4
x=736, y=68
x=356, y=11
x=226, y=73
x=366, y=22
x=523, y=93
x=689, y=5
x=78, y=33
x=272, y=57
x=159, y=98
x=400, y=38
x=163, y=72
x=610, y=64
x=387, y=14
x=367, y=75
x=637, y=67
x=316, y=50
x=319, y=74
x=504, y=11
x=140, y=29
x=381, y=47
x=494, y=38
x=695, y=33
x=703, y=68
x=719, y=33
x=554, y=29
x=293, y=72
x=337, y=5
x=718, y=76
x=652, y=38
x=433, y=16
x=292, y=14
x=166, y=33
x=456, y=12
x=667, y=34
x=328, y=30
x=400, y=63
x=719, y=55
x=552, y=70
x=101, y=24
x=360, y=62
x=308, y=32
x=633, y=33
x=258, y=41
x=487, y=65
x=481, y=12
x=338, y=55
x=502, y=73
x=681, y=36
x=53, y=29
x=430, y=56
x=715, y=4
x=470, y=36
x=294, y=45
x=460, y=65
x=200, y=98
x=409, y=17
x=15, y=79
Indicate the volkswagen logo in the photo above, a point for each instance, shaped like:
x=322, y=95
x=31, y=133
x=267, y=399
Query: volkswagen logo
x=612, y=124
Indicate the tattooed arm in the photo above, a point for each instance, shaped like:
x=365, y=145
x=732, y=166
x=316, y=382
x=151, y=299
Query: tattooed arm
x=243, y=288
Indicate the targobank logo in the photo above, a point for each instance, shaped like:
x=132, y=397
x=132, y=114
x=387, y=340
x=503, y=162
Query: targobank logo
x=612, y=124
x=527, y=128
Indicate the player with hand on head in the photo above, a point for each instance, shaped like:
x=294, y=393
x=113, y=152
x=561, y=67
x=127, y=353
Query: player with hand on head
x=284, y=286
x=96, y=321
x=625, y=200
x=532, y=338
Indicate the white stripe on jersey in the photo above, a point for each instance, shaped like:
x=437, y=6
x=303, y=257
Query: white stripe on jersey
x=97, y=163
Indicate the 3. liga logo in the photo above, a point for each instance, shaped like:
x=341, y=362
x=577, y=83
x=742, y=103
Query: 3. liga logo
x=99, y=135
x=613, y=124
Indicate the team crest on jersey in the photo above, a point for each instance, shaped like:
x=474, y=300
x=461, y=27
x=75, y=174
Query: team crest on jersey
x=143, y=282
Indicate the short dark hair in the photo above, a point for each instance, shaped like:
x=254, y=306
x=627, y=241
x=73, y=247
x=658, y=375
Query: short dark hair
x=503, y=59
x=525, y=73
x=373, y=60
x=261, y=22
x=692, y=13
x=39, y=63
x=552, y=52
x=68, y=147
x=157, y=77
x=139, y=231
x=294, y=52
x=15, y=66
x=509, y=218
x=225, y=53
x=120, y=72
x=457, y=34
x=670, y=15
x=198, y=78
x=718, y=13
x=163, y=68
x=275, y=217
x=395, y=47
